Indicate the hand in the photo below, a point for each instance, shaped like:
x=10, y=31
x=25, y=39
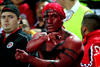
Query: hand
x=21, y=55
x=38, y=35
x=53, y=37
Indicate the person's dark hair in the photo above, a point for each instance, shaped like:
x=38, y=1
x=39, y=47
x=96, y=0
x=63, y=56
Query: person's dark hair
x=91, y=21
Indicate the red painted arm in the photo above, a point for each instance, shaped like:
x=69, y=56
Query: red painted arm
x=36, y=42
x=72, y=48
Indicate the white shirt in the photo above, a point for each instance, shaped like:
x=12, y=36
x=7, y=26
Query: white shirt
x=7, y=35
x=96, y=11
x=70, y=12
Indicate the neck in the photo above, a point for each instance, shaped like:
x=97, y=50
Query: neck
x=62, y=34
x=69, y=5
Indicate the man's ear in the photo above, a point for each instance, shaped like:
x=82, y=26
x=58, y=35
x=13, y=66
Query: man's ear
x=83, y=30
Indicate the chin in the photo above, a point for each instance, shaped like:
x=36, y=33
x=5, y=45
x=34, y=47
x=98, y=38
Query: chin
x=8, y=30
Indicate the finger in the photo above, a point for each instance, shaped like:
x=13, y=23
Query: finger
x=52, y=36
x=17, y=57
x=17, y=53
x=19, y=50
x=43, y=33
x=29, y=50
x=55, y=43
x=55, y=33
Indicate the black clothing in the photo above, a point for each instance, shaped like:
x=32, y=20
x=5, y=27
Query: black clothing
x=16, y=40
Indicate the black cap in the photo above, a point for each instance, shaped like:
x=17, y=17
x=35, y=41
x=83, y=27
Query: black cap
x=11, y=8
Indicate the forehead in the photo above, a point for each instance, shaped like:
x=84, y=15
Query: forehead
x=8, y=13
x=50, y=12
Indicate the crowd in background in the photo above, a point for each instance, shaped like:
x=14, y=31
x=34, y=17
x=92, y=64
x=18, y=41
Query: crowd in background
x=76, y=25
x=31, y=11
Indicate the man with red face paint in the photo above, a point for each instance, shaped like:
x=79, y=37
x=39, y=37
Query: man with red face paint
x=55, y=47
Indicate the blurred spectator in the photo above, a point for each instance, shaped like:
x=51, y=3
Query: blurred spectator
x=33, y=5
x=26, y=28
x=74, y=15
x=2, y=4
x=12, y=37
x=25, y=11
x=40, y=23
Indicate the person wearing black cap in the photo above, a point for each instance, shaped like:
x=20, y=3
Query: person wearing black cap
x=11, y=38
x=2, y=4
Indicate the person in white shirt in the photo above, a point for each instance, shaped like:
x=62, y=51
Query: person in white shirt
x=74, y=15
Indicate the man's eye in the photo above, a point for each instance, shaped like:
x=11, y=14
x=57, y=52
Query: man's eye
x=2, y=17
x=10, y=16
x=45, y=18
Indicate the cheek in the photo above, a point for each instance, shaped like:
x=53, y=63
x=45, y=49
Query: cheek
x=57, y=22
x=45, y=22
x=2, y=22
x=13, y=23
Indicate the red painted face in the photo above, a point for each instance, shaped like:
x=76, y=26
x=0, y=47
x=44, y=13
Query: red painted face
x=53, y=21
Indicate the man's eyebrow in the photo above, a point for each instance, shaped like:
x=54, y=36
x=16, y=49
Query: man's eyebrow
x=6, y=15
x=9, y=15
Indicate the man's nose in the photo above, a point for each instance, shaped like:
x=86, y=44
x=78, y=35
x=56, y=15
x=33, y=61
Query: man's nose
x=6, y=19
x=49, y=20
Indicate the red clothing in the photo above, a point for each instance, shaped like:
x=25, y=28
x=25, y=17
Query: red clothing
x=27, y=13
x=92, y=44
